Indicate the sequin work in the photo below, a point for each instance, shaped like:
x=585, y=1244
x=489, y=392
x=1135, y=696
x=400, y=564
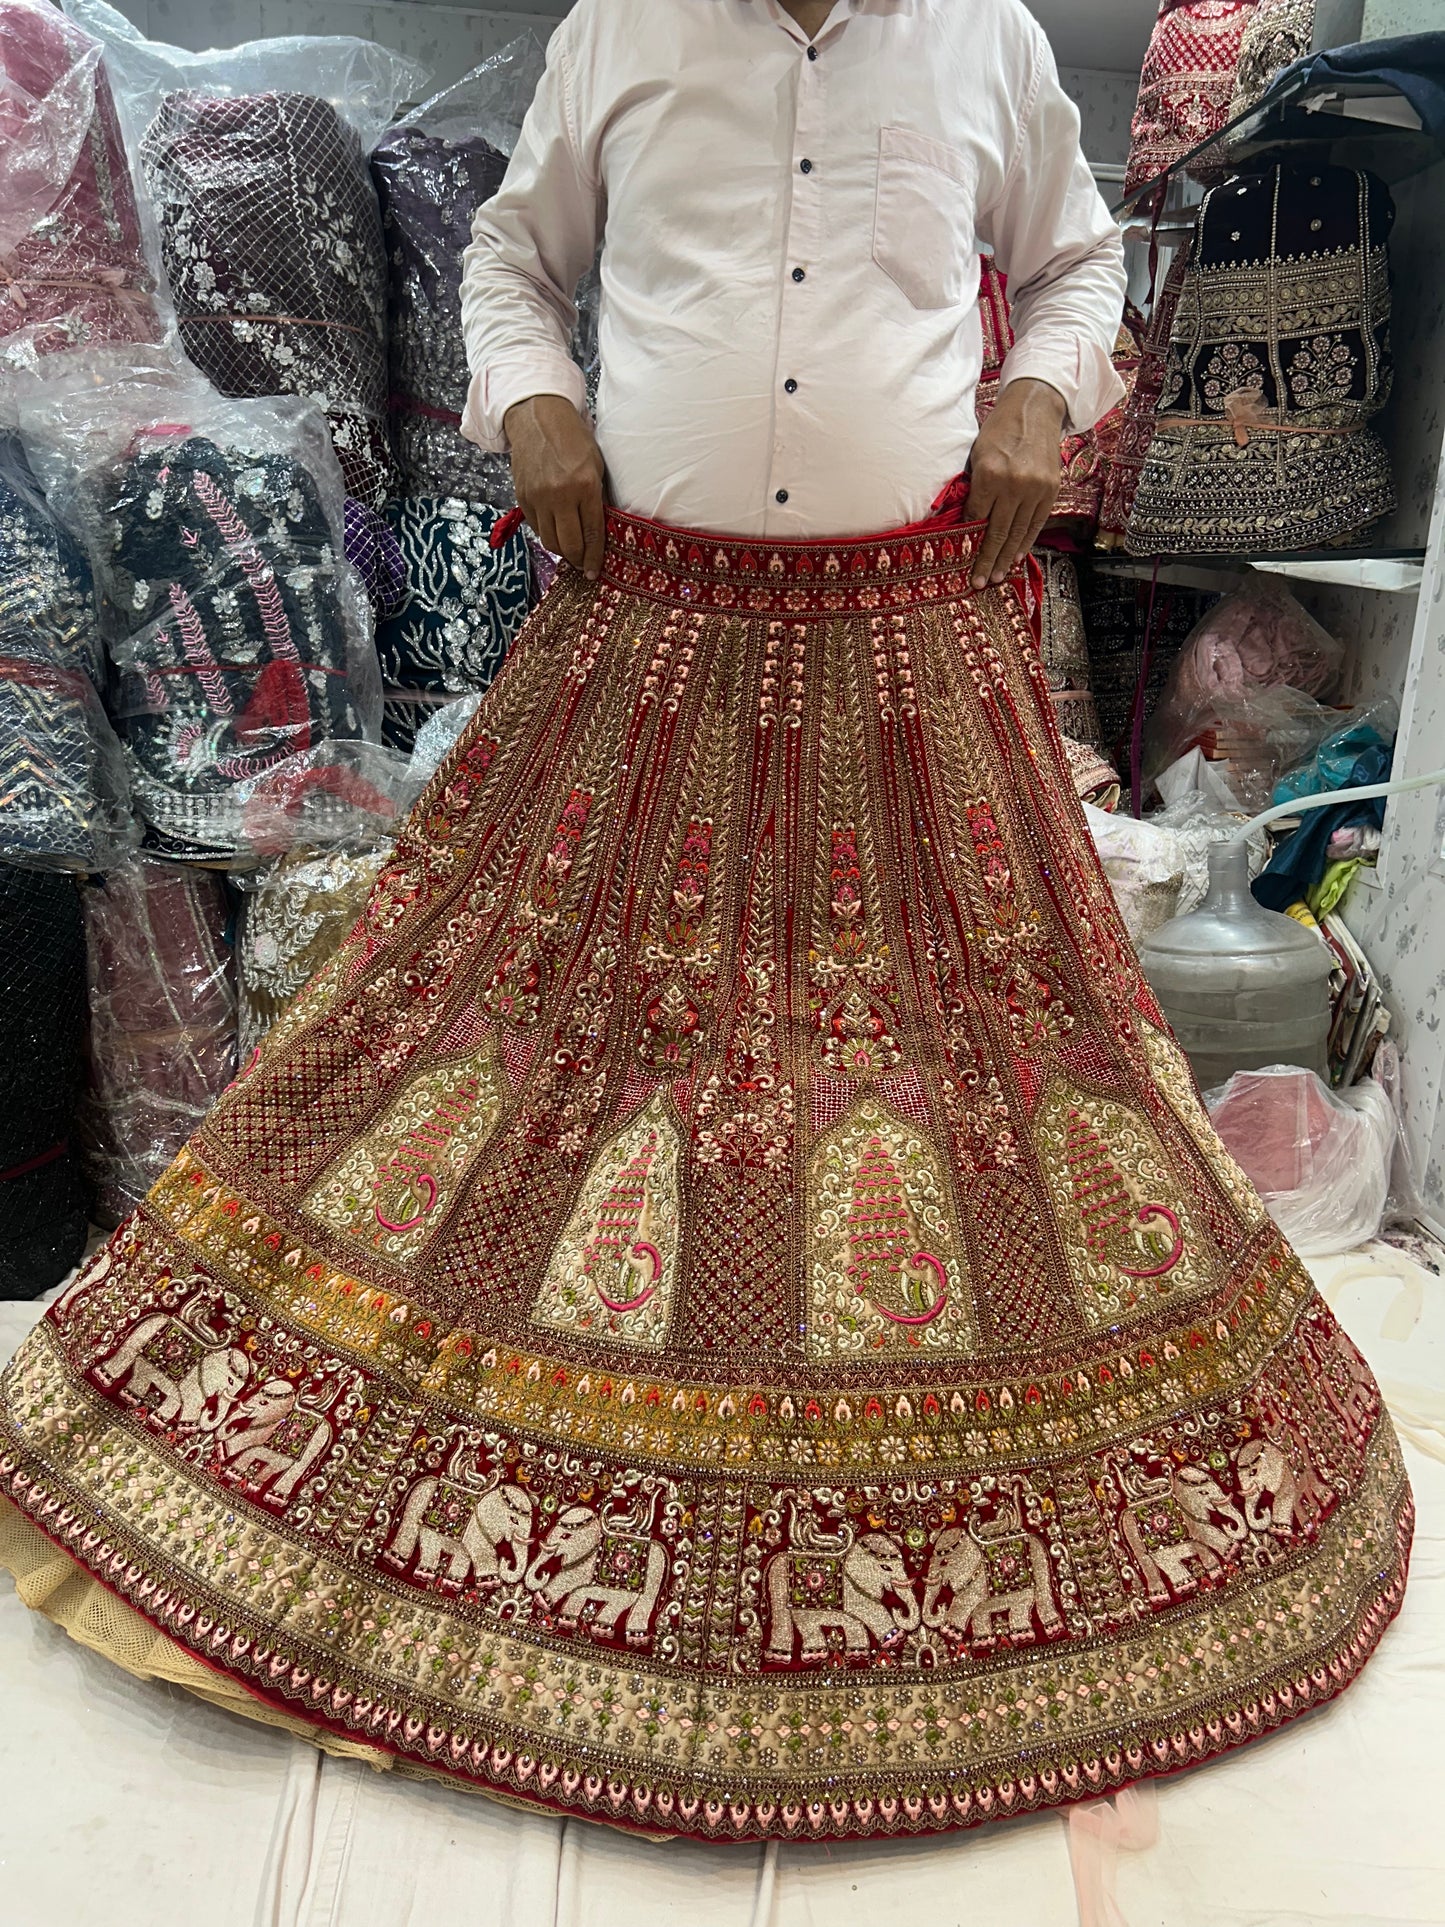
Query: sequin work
x=720, y=1309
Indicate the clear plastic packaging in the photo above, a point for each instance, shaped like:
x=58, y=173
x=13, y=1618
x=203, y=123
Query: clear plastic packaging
x=1371, y=726
x=1320, y=1159
x=438, y=737
x=432, y=172
x=293, y=924
x=239, y=636
x=254, y=161
x=1145, y=866
x=64, y=791
x=162, y=1027
x=75, y=270
x=1250, y=685
x=360, y=78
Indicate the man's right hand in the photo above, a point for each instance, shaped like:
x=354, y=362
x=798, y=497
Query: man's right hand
x=557, y=473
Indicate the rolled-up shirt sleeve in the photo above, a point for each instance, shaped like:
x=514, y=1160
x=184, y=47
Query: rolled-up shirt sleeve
x=1062, y=252
x=531, y=244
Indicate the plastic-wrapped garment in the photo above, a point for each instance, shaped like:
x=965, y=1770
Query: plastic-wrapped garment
x=432, y=173
x=1124, y=451
x=293, y=924
x=162, y=1025
x=1279, y=356
x=1186, y=84
x=430, y=188
x=1144, y=864
x=44, y=1200
x=73, y=271
x=1246, y=686
x=272, y=243
x=1280, y=33
x=1076, y=508
x=1372, y=726
x=224, y=569
x=1117, y=625
x=239, y=637
x=64, y=794
x=1320, y=1159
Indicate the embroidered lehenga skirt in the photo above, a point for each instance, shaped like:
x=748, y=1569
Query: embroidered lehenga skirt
x=720, y=1310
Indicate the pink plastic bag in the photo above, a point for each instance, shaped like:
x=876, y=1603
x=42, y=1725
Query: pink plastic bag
x=1319, y=1158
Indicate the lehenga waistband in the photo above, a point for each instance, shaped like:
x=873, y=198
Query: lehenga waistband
x=796, y=581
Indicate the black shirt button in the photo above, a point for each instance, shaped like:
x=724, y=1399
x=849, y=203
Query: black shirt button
x=781, y=496
x=798, y=274
x=812, y=53
x=805, y=167
x=790, y=387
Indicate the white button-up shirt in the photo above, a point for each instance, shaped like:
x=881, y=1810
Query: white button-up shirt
x=789, y=328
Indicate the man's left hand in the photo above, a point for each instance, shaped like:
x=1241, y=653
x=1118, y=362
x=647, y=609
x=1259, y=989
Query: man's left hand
x=1014, y=475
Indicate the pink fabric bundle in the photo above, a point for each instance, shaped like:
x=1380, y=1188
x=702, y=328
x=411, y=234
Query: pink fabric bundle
x=1259, y=637
x=162, y=1026
x=72, y=265
x=1247, y=689
x=1187, y=82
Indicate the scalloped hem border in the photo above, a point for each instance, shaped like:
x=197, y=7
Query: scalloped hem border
x=95, y=1612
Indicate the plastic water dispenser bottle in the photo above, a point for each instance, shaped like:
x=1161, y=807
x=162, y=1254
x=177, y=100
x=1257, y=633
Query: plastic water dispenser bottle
x=1242, y=986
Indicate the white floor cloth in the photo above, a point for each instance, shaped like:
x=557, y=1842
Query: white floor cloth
x=127, y=1804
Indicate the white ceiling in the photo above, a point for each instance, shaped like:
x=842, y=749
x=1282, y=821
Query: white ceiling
x=1111, y=34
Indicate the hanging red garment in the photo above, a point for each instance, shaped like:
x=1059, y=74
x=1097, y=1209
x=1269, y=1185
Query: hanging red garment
x=1187, y=82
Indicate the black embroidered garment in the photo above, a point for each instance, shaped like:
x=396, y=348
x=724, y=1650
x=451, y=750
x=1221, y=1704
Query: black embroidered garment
x=462, y=600
x=43, y=1198
x=224, y=572
x=272, y=242
x=430, y=188
x=1278, y=357
x=62, y=789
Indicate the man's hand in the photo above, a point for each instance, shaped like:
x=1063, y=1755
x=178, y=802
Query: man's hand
x=557, y=473
x=1014, y=475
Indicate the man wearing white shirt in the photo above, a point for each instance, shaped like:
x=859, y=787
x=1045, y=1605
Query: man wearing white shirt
x=790, y=197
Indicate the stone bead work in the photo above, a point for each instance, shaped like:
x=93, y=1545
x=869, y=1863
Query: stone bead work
x=720, y=1310
x=1279, y=356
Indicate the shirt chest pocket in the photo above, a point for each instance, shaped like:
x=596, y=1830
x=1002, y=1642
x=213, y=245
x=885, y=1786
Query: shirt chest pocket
x=923, y=219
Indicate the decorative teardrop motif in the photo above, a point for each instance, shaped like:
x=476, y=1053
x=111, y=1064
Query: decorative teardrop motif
x=886, y=1271
x=391, y=1191
x=1130, y=1237
x=613, y=1274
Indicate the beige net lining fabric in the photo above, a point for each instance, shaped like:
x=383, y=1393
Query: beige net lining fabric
x=50, y=1583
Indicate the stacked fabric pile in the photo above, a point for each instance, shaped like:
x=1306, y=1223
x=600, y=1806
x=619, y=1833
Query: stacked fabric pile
x=73, y=271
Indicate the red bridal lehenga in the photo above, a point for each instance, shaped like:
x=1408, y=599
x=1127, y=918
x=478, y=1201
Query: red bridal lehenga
x=720, y=1310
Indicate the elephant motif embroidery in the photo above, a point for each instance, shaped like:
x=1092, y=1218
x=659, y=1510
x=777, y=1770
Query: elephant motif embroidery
x=989, y=1568
x=1282, y=1492
x=1176, y=1519
x=275, y=1436
x=482, y=1530
x=391, y=1191
x=610, y=1567
x=615, y=1266
x=178, y=1367
x=847, y=1587
x=1107, y=1176
x=887, y=1271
